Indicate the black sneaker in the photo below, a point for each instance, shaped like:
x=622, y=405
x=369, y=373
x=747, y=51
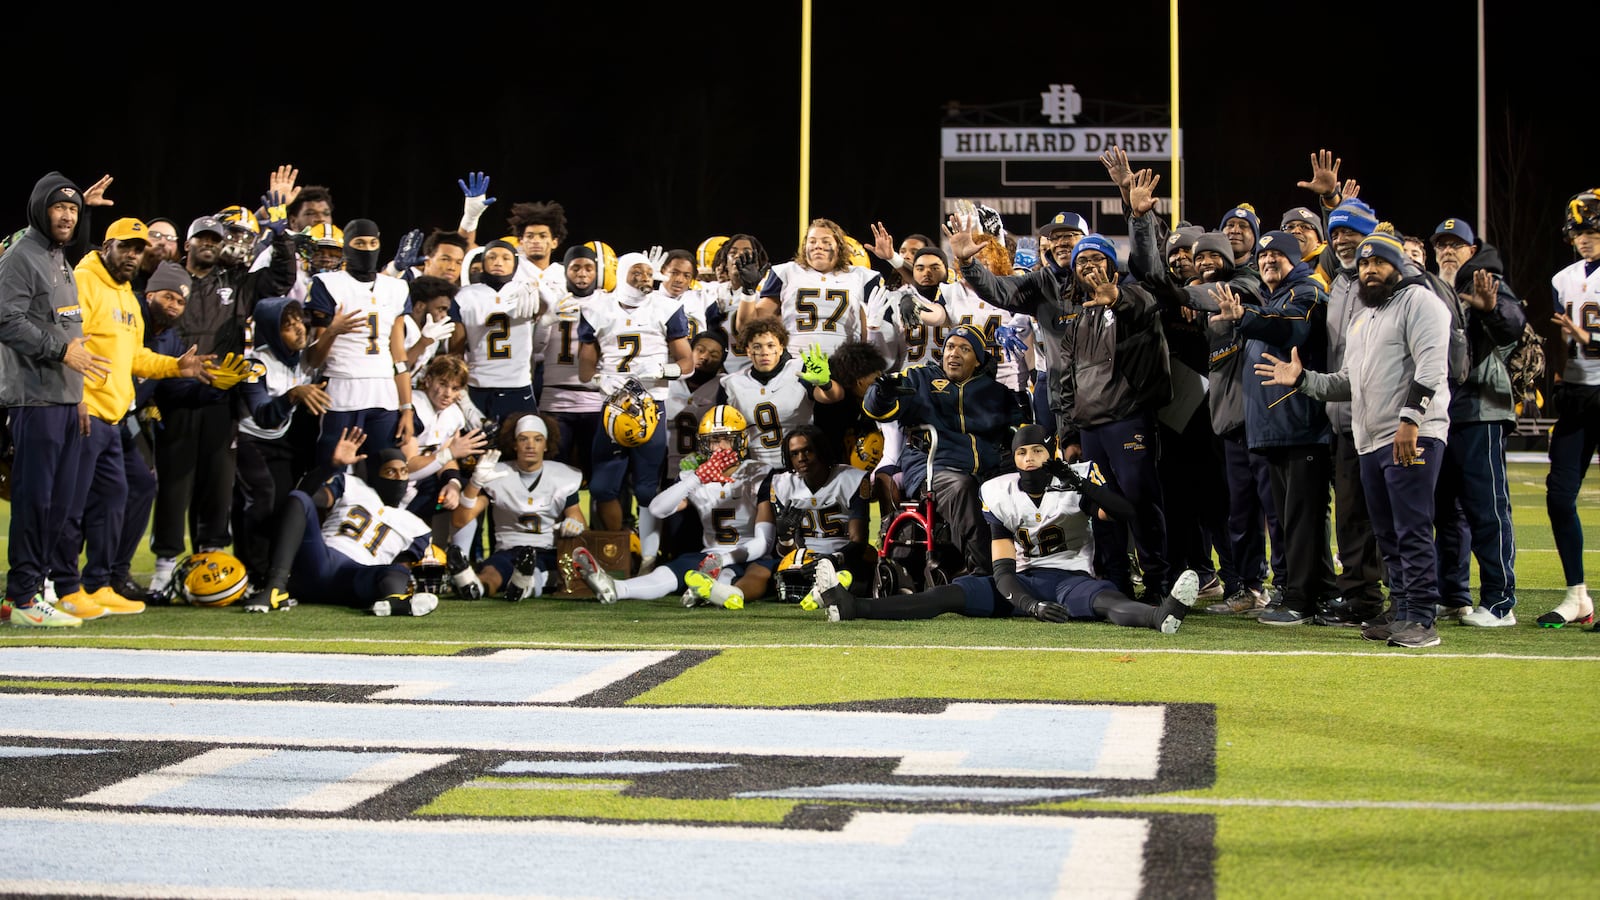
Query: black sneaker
x=1284, y=615
x=130, y=589
x=1383, y=618
x=1413, y=635
x=1342, y=612
x=1379, y=629
x=520, y=584
x=1174, y=606
x=466, y=582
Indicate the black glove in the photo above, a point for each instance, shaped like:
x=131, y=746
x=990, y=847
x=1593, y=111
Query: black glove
x=1049, y=611
x=749, y=269
x=787, y=523
x=1010, y=587
x=910, y=316
x=1063, y=470
x=894, y=384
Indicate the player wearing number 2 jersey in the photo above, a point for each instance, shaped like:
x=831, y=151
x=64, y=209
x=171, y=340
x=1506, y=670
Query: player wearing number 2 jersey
x=498, y=316
x=820, y=296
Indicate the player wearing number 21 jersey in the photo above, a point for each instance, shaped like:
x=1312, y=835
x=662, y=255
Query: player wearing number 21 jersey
x=821, y=298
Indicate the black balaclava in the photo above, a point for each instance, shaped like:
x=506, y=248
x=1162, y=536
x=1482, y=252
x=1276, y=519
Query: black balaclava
x=583, y=252
x=496, y=282
x=1038, y=480
x=361, y=264
x=391, y=491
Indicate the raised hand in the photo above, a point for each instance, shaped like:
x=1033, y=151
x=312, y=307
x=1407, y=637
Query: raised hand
x=233, y=369
x=1011, y=343
x=1324, y=174
x=1351, y=189
x=657, y=258
x=96, y=194
x=1229, y=306
x=1485, y=291
x=1115, y=159
x=1103, y=291
x=470, y=443
x=192, y=365
x=277, y=210
x=488, y=470
x=748, y=268
x=1142, y=192
x=1281, y=372
x=815, y=367
x=281, y=181
x=475, y=199
x=409, y=252
x=882, y=245
x=350, y=440
x=438, y=330
x=960, y=234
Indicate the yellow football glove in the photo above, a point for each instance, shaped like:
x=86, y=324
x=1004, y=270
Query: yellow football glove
x=232, y=370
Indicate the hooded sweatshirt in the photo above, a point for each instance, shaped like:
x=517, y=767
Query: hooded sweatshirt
x=265, y=395
x=39, y=312
x=114, y=326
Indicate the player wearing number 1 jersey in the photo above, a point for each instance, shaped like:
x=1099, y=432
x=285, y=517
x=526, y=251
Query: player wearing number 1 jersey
x=821, y=298
x=498, y=315
x=573, y=403
x=360, y=346
x=629, y=334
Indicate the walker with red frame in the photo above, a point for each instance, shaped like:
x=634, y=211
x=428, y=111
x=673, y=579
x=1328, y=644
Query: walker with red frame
x=916, y=553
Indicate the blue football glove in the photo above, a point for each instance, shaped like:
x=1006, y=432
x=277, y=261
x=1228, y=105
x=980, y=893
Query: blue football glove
x=409, y=253
x=475, y=190
x=277, y=210
x=1011, y=343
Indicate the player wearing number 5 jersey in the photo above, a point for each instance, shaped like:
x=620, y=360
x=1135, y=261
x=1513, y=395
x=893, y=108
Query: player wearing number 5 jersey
x=360, y=346
x=498, y=315
x=630, y=334
x=821, y=298
x=347, y=541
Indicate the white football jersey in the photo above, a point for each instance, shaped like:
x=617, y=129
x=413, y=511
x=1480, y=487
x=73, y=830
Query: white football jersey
x=826, y=520
x=361, y=528
x=499, y=342
x=526, y=507
x=551, y=278
x=436, y=427
x=414, y=335
x=633, y=341
x=728, y=511
x=562, y=390
x=362, y=352
x=685, y=408
x=718, y=293
x=1051, y=534
x=773, y=409
x=280, y=378
x=821, y=309
x=1579, y=296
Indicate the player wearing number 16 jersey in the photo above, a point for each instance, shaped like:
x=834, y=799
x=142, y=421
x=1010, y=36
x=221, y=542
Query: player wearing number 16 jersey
x=821, y=297
x=499, y=318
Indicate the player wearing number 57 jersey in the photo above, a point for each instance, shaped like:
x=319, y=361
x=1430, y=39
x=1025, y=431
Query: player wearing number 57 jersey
x=344, y=540
x=628, y=334
x=361, y=338
x=821, y=298
x=498, y=315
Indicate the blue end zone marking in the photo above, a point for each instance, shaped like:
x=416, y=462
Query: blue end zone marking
x=609, y=767
x=270, y=782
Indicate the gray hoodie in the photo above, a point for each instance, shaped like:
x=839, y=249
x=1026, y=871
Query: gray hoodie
x=39, y=312
x=1396, y=360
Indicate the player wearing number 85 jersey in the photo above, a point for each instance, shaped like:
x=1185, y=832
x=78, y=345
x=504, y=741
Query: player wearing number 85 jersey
x=820, y=297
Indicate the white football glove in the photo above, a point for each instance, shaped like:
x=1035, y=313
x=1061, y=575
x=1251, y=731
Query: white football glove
x=438, y=331
x=568, y=308
x=672, y=371
x=488, y=470
x=877, y=304
x=570, y=528
x=657, y=257
x=524, y=299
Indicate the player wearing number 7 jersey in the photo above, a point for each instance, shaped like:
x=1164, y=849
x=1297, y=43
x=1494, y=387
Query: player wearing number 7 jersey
x=630, y=333
x=820, y=296
x=499, y=316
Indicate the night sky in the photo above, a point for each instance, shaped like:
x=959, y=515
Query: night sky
x=665, y=132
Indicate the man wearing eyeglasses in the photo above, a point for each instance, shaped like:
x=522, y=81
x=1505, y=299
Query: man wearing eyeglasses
x=163, y=235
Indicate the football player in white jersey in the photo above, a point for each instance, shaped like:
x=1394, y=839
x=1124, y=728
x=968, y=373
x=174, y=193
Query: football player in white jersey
x=677, y=283
x=724, y=490
x=573, y=403
x=692, y=396
x=1043, y=553
x=820, y=297
x=631, y=333
x=778, y=392
x=532, y=502
x=818, y=505
x=741, y=265
x=428, y=325
x=347, y=541
x=360, y=346
x=497, y=316
x=444, y=437
x=1577, y=429
x=540, y=228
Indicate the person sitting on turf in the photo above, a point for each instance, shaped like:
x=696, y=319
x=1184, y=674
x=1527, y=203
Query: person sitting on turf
x=343, y=541
x=1043, y=555
x=534, y=501
x=724, y=487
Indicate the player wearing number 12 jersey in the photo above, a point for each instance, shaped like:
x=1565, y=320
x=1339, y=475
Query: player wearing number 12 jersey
x=821, y=298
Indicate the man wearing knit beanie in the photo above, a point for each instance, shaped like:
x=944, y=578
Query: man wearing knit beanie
x=1241, y=225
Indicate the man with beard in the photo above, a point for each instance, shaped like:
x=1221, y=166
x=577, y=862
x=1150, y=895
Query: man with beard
x=43, y=363
x=972, y=415
x=1360, y=580
x=1396, y=377
x=98, y=491
x=1474, y=501
x=163, y=248
x=1286, y=426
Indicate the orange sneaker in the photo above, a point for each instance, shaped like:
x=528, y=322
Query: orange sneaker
x=81, y=606
x=115, y=603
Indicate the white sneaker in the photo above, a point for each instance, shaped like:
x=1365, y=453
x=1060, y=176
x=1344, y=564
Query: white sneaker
x=40, y=614
x=1441, y=611
x=1483, y=618
x=1576, y=609
x=50, y=593
x=162, y=579
x=598, y=579
x=414, y=605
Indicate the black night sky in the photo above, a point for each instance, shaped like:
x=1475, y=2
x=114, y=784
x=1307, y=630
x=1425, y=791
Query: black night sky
x=668, y=126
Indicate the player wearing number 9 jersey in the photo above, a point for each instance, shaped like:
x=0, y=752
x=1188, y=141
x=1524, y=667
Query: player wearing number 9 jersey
x=498, y=315
x=821, y=298
x=772, y=394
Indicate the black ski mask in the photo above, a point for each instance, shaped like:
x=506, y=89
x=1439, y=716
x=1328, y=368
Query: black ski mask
x=1038, y=480
x=582, y=251
x=496, y=282
x=390, y=490
x=361, y=264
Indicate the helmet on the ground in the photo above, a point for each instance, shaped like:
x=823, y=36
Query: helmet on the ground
x=212, y=578
x=797, y=571
x=722, y=421
x=430, y=574
x=630, y=415
x=867, y=451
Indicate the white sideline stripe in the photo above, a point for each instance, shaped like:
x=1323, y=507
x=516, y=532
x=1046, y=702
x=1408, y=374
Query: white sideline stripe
x=1351, y=804
x=977, y=648
x=135, y=791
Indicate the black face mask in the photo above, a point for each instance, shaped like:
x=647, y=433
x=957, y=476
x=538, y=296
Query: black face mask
x=495, y=282
x=361, y=264
x=391, y=491
x=928, y=291
x=1036, y=481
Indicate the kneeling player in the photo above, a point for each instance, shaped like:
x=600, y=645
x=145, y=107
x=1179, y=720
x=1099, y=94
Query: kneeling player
x=724, y=490
x=357, y=551
x=534, y=500
x=1039, y=517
